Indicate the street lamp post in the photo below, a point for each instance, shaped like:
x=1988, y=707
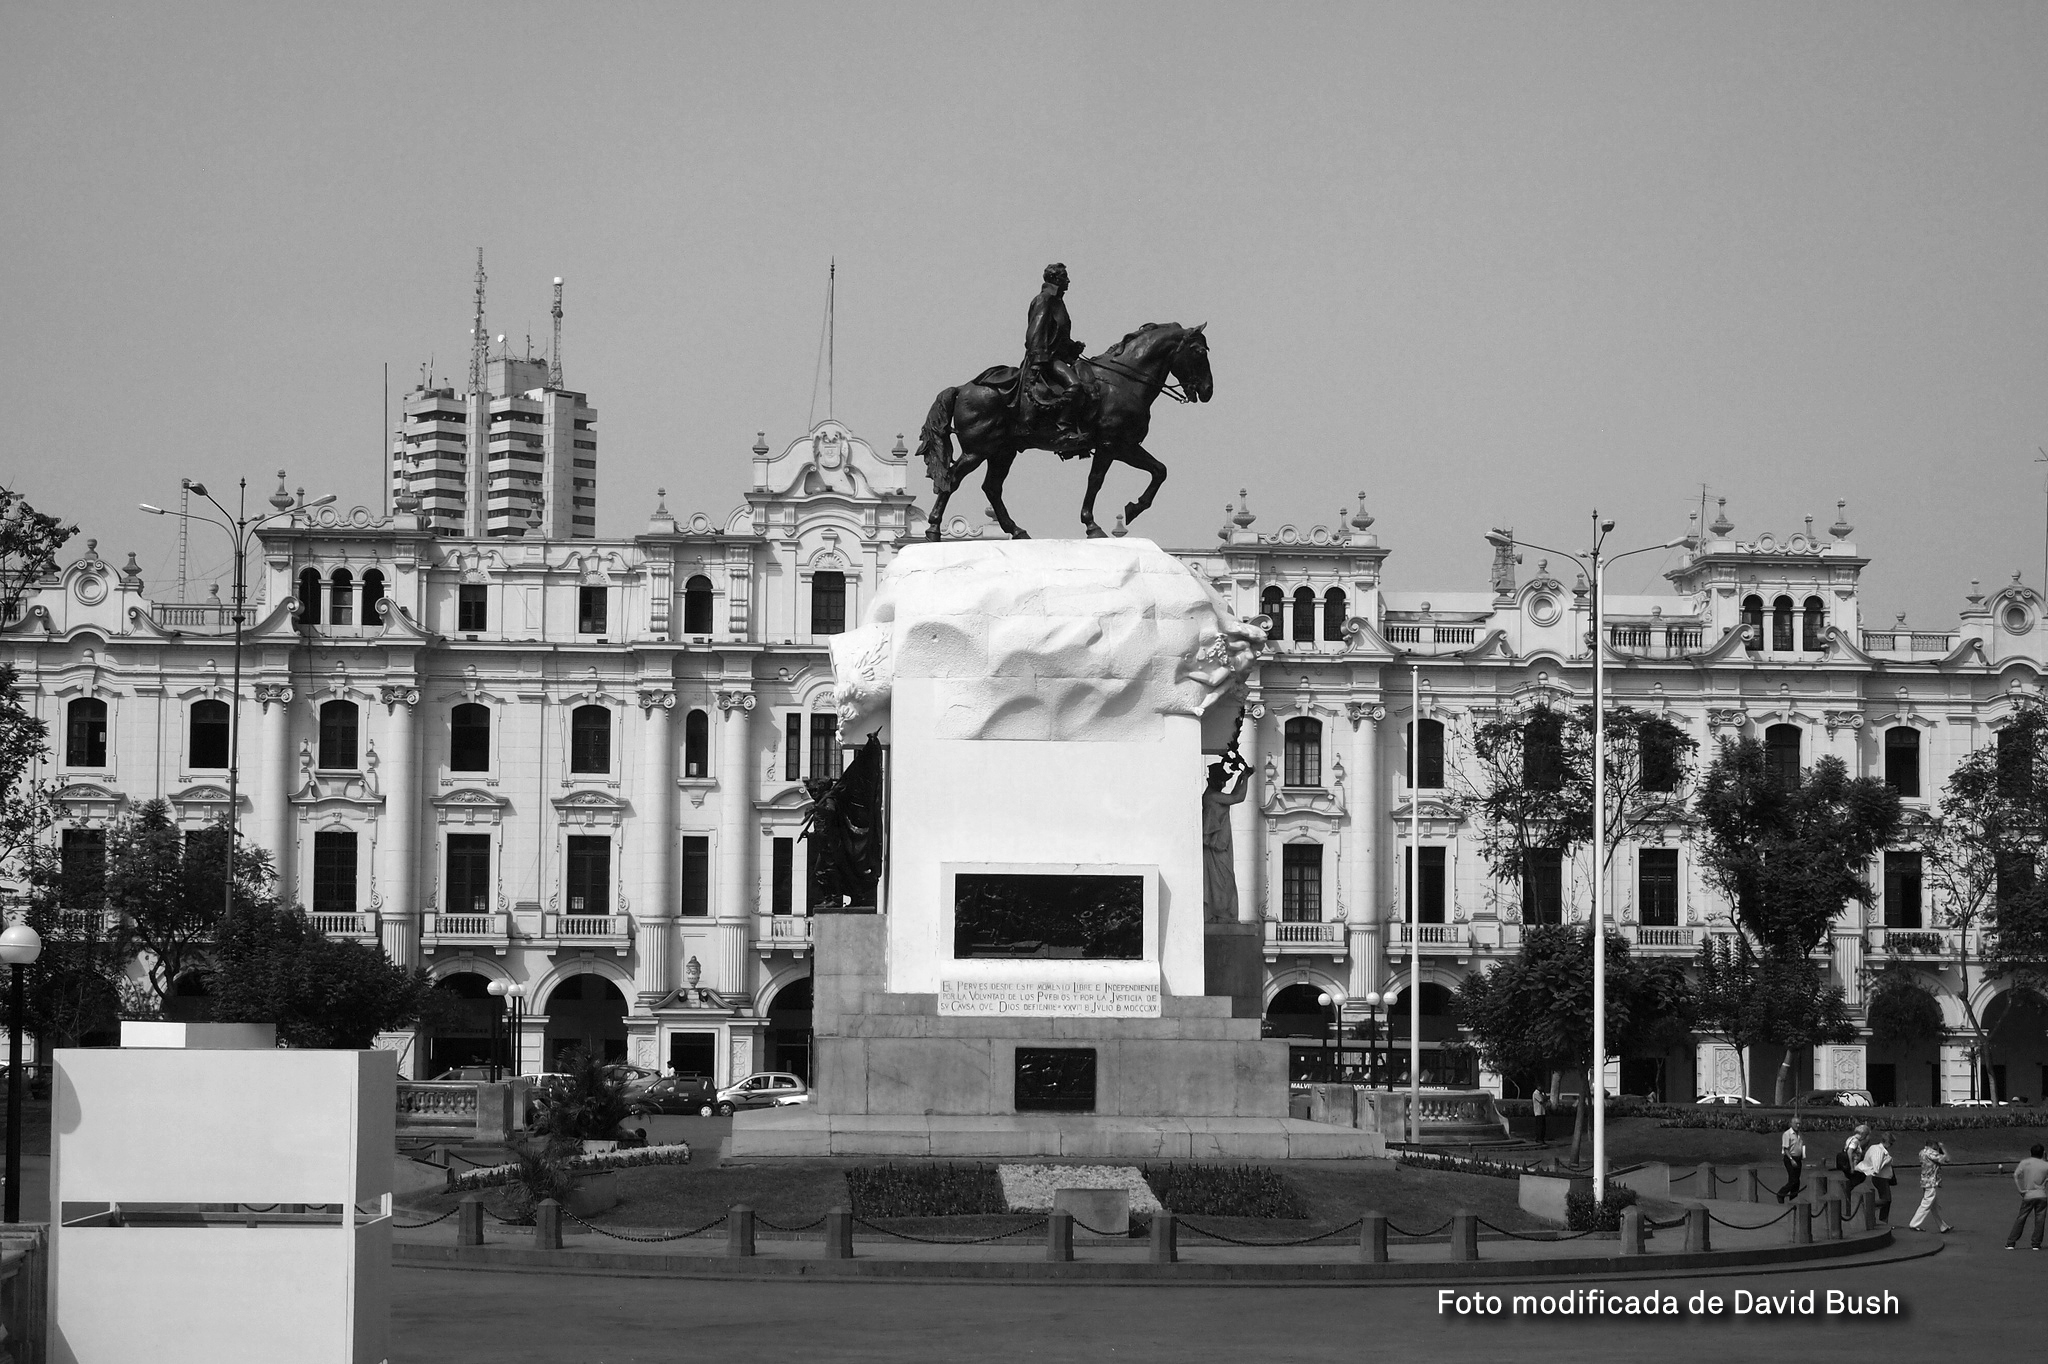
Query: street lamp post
x=19, y=946
x=1372, y=1039
x=1595, y=567
x=507, y=992
x=241, y=529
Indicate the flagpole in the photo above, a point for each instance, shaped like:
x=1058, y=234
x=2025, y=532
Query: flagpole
x=1415, y=904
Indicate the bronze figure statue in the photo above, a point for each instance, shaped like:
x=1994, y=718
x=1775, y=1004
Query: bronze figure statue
x=845, y=829
x=1100, y=406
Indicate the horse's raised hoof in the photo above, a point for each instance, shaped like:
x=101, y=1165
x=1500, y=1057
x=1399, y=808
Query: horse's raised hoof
x=1020, y=534
x=934, y=534
x=1132, y=511
x=1096, y=532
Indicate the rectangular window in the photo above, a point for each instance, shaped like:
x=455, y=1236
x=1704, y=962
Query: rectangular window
x=1542, y=887
x=1301, y=883
x=1659, y=762
x=1902, y=872
x=469, y=874
x=1432, y=884
x=828, y=603
x=793, y=746
x=1657, y=887
x=780, y=877
x=593, y=610
x=696, y=876
x=334, y=872
x=1902, y=760
x=472, y=610
x=824, y=747
x=812, y=897
x=586, y=445
x=1426, y=751
x=1302, y=752
x=590, y=875
x=84, y=868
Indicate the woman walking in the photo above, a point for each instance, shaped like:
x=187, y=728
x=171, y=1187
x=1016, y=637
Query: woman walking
x=1933, y=1155
x=1877, y=1164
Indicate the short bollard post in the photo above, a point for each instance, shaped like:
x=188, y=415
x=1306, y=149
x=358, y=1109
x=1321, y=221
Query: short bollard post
x=1746, y=1191
x=1631, y=1231
x=1059, y=1236
x=547, y=1225
x=1831, y=1217
x=1372, y=1238
x=1866, y=1211
x=1697, y=1238
x=739, y=1230
x=469, y=1221
x=1464, y=1235
x=1707, y=1180
x=1165, y=1239
x=1802, y=1222
x=839, y=1234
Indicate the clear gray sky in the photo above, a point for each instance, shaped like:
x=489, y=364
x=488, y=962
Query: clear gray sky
x=1486, y=262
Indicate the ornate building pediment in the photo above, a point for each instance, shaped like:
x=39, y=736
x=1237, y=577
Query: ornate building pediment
x=590, y=809
x=86, y=803
x=469, y=805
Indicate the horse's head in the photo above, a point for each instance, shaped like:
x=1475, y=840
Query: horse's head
x=1190, y=365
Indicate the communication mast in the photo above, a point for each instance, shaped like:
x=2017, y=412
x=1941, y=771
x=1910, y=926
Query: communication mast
x=479, y=339
x=184, y=525
x=555, y=364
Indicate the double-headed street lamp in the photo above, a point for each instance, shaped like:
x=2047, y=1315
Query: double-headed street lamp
x=1594, y=565
x=241, y=529
x=514, y=992
x=19, y=946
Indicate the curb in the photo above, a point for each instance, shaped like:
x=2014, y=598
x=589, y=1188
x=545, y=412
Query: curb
x=511, y=1259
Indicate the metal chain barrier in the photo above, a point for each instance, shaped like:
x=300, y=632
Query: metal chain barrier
x=1649, y=1225
x=1419, y=1235
x=1548, y=1236
x=760, y=1221
x=1750, y=1226
x=955, y=1241
x=415, y=1226
x=1300, y=1241
x=644, y=1240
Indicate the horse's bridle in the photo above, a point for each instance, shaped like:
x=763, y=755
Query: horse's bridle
x=1167, y=384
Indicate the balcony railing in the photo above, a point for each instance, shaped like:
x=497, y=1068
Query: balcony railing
x=1654, y=937
x=1434, y=937
x=782, y=933
x=74, y=925
x=1910, y=942
x=465, y=930
x=1656, y=641
x=1908, y=642
x=1298, y=938
x=589, y=930
x=1445, y=637
x=345, y=924
x=211, y=617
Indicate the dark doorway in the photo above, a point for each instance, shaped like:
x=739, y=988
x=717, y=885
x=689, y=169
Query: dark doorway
x=1884, y=1082
x=693, y=1053
x=586, y=1011
x=789, y=1029
x=461, y=1031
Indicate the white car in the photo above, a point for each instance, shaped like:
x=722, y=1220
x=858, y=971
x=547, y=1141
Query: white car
x=1732, y=1100
x=764, y=1089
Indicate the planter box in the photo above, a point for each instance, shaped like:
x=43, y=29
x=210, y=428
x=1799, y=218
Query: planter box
x=1544, y=1195
x=595, y=1192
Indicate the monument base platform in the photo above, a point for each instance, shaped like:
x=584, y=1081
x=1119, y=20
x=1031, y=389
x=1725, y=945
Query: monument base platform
x=801, y=1131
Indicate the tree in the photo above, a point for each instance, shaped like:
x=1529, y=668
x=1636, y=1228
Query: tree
x=271, y=965
x=1535, y=1012
x=29, y=542
x=1789, y=855
x=1902, y=1013
x=167, y=886
x=72, y=990
x=1531, y=789
x=1984, y=855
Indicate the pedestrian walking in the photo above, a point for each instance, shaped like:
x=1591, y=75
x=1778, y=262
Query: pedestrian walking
x=1849, y=1159
x=1536, y=1106
x=1876, y=1166
x=1792, y=1147
x=1933, y=1155
x=2031, y=1175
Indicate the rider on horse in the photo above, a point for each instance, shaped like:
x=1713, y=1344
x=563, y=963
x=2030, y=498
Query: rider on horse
x=1051, y=380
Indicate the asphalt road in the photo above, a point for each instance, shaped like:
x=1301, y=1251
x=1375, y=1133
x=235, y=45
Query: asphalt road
x=1973, y=1296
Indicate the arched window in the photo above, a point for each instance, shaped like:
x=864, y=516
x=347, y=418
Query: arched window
x=373, y=592
x=1781, y=754
x=1813, y=625
x=697, y=744
x=309, y=598
x=1304, y=615
x=85, y=733
x=590, y=739
x=338, y=736
x=1543, y=751
x=1273, y=606
x=1902, y=759
x=828, y=603
x=697, y=606
x=1781, y=624
x=209, y=734
x=1426, y=749
x=341, y=598
x=469, y=738
x=1334, y=613
x=1304, y=752
x=1753, y=623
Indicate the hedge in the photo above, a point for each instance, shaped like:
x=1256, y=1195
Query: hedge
x=490, y=1176
x=1844, y=1119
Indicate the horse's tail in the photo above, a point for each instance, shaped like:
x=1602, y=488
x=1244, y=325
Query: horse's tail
x=935, y=442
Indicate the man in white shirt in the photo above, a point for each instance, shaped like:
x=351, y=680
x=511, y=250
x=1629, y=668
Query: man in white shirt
x=1876, y=1165
x=1792, y=1146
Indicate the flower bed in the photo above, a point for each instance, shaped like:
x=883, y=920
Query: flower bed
x=1843, y=1119
x=1029, y=1188
x=924, y=1190
x=1464, y=1165
x=1220, y=1191
x=491, y=1176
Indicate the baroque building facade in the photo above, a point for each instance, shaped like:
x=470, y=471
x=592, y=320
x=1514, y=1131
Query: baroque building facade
x=578, y=765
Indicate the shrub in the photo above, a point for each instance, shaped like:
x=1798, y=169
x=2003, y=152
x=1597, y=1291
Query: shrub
x=590, y=1103
x=1843, y=1119
x=539, y=1170
x=893, y=1190
x=1581, y=1213
x=1464, y=1165
x=1222, y=1191
x=495, y=1176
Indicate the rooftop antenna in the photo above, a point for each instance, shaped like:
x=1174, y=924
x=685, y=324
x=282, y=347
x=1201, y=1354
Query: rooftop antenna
x=555, y=365
x=184, y=524
x=479, y=339
x=826, y=344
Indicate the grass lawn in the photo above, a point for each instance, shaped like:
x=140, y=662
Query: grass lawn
x=792, y=1193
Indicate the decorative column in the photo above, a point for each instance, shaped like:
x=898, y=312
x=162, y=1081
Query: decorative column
x=274, y=816
x=654, y=972
x=1367, y=929
x=1246, y=831
x=735, y=837
x=398, y=921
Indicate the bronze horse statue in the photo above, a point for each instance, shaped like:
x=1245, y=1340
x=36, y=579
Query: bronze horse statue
x=1128, y=377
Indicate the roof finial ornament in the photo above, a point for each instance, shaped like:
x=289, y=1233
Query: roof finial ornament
x=1244, y=517
x=1976, y=592
x=282, y=498
x=1362, y=521
x=1722, y=525
x=760, y=452
x=899, y=449
x=1840, y=530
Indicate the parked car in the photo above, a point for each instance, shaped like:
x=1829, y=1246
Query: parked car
x=673, y=1094
x=1733, y=1100
x=1833, y=1098
x=471, y=1073
x=765, y=1089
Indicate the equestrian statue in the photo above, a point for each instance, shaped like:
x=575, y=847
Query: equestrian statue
x=1099, y=406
